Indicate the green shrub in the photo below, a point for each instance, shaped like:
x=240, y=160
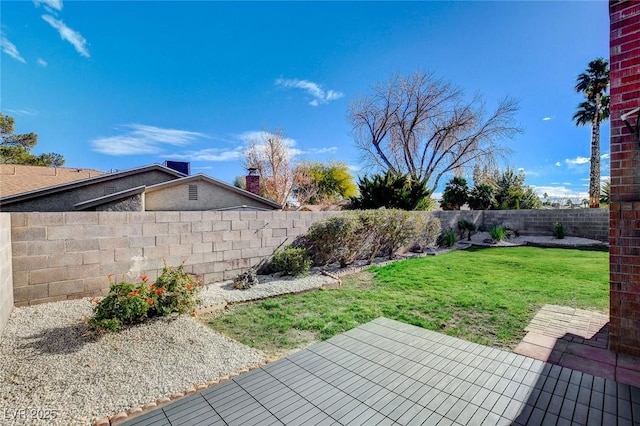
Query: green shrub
x=128, y=304
x=334, y=239
x=447, y=238
x=427, y=236
x=365, y=234
x=124, y=305
x=293, y=261
x=559, y=231
x=498, y=232
x=392, y=191
x=396, y=229
x=464, y=226
x=174, y=291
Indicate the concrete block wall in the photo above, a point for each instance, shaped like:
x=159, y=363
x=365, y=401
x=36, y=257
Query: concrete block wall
x=59, y=256
x=585, y=223
x=6, y=275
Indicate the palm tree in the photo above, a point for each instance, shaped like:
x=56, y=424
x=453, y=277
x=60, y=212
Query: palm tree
x=593, y=84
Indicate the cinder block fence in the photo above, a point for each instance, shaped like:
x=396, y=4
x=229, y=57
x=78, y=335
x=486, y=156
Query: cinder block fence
x=59, y=256
x=48, y=257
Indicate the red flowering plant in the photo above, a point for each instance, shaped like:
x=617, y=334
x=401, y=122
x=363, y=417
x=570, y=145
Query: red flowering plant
x=127, y=304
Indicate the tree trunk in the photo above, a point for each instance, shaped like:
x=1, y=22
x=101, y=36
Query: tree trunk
x=594, y=173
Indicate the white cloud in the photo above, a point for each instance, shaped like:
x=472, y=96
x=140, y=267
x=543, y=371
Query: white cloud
x=257, y=137
x=52, y=4
x=142, y=139
x=605, y=178
x=10, y=48
x=566, y=183
x=68, y=34
x=313, y=89
x=42, y=62
x=576, y=161
x=28, y=112
x=546, y=119
x=527, y=172
x=605, y=156
x=558, y=164
x=211, y=154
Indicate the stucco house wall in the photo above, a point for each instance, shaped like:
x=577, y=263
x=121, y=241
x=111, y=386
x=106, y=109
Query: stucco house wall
x=209, y=195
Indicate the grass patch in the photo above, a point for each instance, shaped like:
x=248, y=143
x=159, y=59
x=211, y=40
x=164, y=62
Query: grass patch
x=486, y=296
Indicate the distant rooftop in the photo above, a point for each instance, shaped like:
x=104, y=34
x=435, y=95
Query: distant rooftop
x=15, y=179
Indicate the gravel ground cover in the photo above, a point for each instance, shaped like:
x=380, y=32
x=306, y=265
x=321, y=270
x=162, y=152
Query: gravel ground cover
x=53, y=373
x=269, y=285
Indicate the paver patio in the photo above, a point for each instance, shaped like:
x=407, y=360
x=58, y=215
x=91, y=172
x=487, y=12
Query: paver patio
x=387, y=372
x=578, y=339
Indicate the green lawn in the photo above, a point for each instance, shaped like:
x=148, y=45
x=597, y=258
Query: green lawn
x=486, y=296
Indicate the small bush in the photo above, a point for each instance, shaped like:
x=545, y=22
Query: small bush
x=396, y=228
x=559, y=231
x=128, y=304
x=125, y=304
x=293, y=261
x=498, y=232
x=447, y=238
x=336, y=239
x=464, y=226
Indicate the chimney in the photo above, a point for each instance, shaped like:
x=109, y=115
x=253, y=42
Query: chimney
x=183, y=167
x=253, y=181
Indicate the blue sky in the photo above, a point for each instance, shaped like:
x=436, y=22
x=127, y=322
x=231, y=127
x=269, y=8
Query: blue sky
x=115, y=85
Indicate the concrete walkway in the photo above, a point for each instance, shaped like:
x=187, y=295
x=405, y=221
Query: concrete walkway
x=386, y=372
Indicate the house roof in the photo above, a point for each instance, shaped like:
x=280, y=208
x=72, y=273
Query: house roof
x=84, y=182
x=213, y=181
x=17, y=178
x=110, y=198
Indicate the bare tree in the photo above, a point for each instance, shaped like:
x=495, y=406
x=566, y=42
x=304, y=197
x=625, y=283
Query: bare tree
x=422, y=126
x=271, y=156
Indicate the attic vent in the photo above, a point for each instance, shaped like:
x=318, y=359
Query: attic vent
x=109, y=189
x=193, y=192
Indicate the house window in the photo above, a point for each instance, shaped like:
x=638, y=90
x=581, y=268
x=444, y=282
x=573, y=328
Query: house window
x=109, y=189
x=193, y=192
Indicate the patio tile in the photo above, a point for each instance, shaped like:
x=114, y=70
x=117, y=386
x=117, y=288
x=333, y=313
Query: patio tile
x=534, y=351
x=411, y=376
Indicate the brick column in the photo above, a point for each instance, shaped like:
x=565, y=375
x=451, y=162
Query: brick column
x=624, y=216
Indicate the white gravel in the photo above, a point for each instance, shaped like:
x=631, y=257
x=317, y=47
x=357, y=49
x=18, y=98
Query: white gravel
x=49, y=367
x=269, y=285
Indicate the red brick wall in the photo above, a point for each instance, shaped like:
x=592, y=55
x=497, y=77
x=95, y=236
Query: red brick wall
x=624, y=217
